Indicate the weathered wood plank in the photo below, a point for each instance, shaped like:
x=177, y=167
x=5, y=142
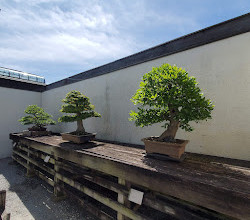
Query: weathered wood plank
x=15, y=158
x=3, y=214
x=89, y=207
x=41, y=147
x=121, y=199
x=40, y=165
x=2, y=201
x=185, y=211
x=212, y=196
x=57, y=189
x=36, y=154
x=104, y=200
x=136, y=157
x=172, y=210
x=37, y=172
x=226, y=191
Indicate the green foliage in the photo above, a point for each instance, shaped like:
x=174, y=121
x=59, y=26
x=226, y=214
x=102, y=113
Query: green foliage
x=167, y=93
x=79, y=106
x=36, y=116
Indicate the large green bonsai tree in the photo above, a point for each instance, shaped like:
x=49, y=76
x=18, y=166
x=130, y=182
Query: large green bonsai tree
x=167, y=94
x=38, y=117
x=80, y=108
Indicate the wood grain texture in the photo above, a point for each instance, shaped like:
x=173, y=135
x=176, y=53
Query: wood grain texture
x=218, y=184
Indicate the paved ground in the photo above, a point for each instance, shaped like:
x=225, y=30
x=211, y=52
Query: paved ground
x=31, y=198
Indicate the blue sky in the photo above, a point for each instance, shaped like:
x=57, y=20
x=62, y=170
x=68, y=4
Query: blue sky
x=60, y=38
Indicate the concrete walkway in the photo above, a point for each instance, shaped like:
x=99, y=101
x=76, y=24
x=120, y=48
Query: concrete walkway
x=31, y=198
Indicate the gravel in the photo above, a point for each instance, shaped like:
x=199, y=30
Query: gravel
x=32, y=198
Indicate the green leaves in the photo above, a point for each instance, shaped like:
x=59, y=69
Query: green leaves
x=79, y=106
x=168, y=93
x=36, y=116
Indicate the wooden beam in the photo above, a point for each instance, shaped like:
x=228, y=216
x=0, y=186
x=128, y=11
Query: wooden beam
x=181, y=208
x=36, y=145
x=209, y=196
x=121, y=199
x=72, y=168
x=89, y=207
x=30, y=171
x=40, y=165
x=210, y=191
x=94, y=178
x=106, y=201
x=37, y=172
x=36, y=154
x=3, y=214
x=161, y=206
x=57, y=189
x=19, y=161
x=2, y=201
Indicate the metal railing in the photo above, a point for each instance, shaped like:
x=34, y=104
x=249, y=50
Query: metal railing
x=20, y=75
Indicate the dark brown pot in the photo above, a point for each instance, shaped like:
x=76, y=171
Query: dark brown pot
x=174, y=150
x=28, y=133
x=78, y=139
x=36, y=131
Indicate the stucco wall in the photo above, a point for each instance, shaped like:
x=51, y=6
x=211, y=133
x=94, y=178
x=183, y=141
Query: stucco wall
x=12, y=106
x=222, y=69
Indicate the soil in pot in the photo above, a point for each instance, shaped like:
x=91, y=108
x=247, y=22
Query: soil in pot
x=174, y=149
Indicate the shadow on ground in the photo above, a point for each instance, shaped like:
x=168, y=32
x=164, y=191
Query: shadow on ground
x=32, y=198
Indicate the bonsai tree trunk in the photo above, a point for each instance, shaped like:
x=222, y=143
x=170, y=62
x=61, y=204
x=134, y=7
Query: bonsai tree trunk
x=170, y=133
x=80, y=127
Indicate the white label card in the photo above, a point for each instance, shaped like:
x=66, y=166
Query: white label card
x=46, y=159
x=135, y=196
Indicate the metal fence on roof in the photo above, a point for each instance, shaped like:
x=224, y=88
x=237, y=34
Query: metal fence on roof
x=19, y=75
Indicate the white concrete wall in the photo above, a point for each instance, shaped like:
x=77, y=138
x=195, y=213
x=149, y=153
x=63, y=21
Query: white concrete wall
x=223, y=70
x=12, y=105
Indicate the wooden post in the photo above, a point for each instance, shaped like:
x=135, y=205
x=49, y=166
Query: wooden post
x=3, y=215
x=59, y=194
x=122, y=198
x=2, y=201
x=30, y=171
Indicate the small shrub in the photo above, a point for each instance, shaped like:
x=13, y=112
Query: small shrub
x=168, y=94
x=79, y=108
x=36, y=116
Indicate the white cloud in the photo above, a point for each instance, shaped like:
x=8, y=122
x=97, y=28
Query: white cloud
x=76, y=33
x=57, y=36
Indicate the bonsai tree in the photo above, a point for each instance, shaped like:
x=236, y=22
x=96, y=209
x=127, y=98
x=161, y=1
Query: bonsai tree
x=80, y=108
x=38, y=117
x=168, y=94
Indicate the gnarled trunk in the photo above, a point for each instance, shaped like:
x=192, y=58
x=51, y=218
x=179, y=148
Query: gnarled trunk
x=170, y=133
x=80, y=127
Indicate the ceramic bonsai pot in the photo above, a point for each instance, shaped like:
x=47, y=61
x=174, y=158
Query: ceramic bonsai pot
x=36, y=132
x=78, y=139
x=171, y=149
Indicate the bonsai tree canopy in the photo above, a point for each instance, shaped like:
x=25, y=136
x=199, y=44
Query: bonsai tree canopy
x=36, y=116
x=80, y=108
x=168, y=94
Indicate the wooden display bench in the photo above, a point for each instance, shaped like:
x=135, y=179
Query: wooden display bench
x=105, y=178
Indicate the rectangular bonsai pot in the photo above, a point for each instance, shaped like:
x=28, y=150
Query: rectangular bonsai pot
x=78, y=139
x=36, y=133
x=174, y=150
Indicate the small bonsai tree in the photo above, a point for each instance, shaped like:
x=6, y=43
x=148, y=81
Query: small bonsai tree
x=80, y=108
x=37, y=117
x=167, y=94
